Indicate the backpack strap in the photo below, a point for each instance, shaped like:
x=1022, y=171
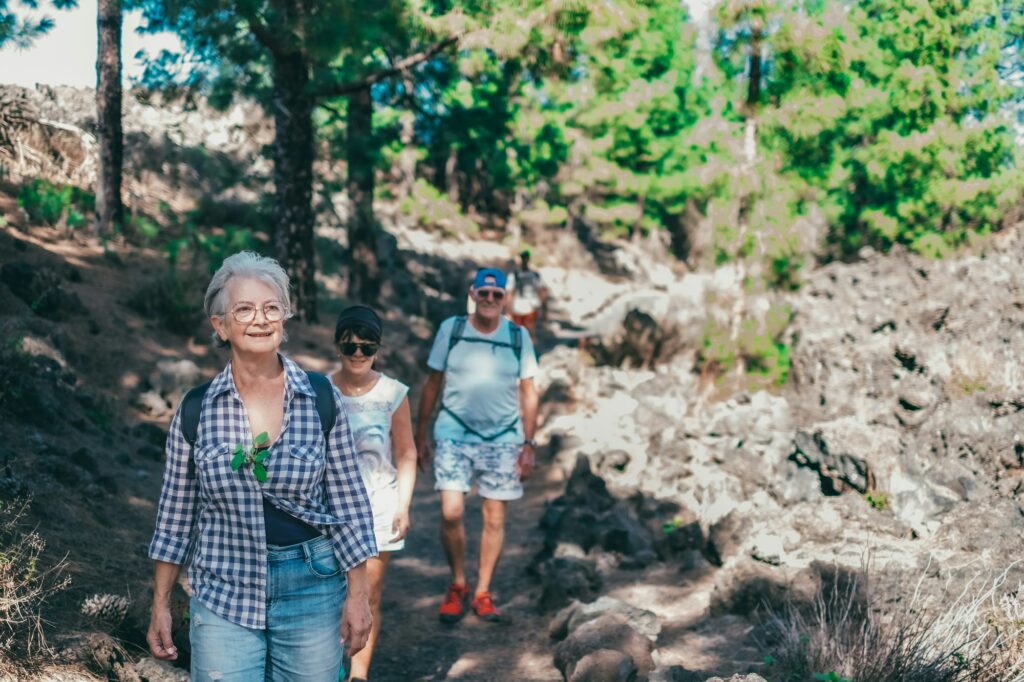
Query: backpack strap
x=325, y=405
x=516, y=332
x=191, y=408
x=458, y=327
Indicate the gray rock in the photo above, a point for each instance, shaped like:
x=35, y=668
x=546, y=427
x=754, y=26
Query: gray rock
x=610, y=631
x=752, y=677
x=604, y=665
x=153, y=670
x=564, y=579
x=643, y=621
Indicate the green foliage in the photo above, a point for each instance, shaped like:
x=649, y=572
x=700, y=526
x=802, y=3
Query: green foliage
x=831, y=676
x=756, y=345
x=878, y=499
x=429, y=209
x=253, y=457
x=51, y=204
x=172, y=300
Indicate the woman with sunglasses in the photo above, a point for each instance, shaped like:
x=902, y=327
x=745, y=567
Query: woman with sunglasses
x=381, y=421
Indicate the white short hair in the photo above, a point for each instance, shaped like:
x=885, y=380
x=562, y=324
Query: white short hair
x=245, y=264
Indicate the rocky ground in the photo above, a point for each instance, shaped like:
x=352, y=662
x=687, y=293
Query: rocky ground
x=673, y=517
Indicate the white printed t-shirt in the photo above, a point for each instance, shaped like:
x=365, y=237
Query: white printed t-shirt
x=481, y=382
x=369, y=417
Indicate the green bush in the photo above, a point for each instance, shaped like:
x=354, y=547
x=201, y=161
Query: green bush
x=431, y=210
x=758, y=345
x=48, y=203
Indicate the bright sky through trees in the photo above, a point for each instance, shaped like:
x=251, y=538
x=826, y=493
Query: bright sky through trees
x=67, y=54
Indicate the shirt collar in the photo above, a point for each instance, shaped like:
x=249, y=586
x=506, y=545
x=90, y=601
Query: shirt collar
x=295, y=379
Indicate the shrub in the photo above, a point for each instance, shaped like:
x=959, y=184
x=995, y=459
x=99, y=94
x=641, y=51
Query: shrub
x=757, y=346
x=172, y=300
x=48, y=203
x=975, y=634
x=431, y=210
x=24, y=585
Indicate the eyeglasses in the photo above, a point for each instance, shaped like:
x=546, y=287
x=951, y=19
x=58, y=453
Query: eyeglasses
x=245, y=312
x=350, y=348
x=496, y=294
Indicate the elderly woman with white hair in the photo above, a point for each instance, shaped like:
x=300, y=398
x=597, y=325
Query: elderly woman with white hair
x=265, y=503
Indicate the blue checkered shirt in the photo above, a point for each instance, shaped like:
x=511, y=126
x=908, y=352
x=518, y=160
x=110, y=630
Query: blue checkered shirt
x=317, y=484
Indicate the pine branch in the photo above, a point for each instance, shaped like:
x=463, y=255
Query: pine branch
x=401, y=66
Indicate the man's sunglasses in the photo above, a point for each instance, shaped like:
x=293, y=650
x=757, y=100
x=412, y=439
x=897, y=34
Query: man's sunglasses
x=496, y=294
x=350, y=348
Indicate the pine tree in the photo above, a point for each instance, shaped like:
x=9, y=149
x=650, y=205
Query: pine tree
x=109, y=207
x=293, y=55
x=20, y=32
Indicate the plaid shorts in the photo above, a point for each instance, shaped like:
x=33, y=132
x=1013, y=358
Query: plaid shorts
x=494, y=465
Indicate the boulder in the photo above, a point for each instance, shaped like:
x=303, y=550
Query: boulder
x=610, y=631
x=564, y=579
x=643, y=621
x=604, y=665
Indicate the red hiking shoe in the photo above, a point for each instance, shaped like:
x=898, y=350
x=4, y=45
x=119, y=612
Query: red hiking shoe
x=483, y=607
x=453, y=608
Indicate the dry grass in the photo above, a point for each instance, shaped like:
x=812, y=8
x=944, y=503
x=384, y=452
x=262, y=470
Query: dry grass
x=24, y=586
x=971, y=632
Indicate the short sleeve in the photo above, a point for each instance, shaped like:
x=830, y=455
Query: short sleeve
x=398, y=391
x=528, y=366
x=438, y=359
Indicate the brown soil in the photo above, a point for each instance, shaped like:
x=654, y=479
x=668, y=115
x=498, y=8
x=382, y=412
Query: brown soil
x=416, y=646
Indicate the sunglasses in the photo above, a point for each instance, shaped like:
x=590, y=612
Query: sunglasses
x=350, y=348
x=496, y=294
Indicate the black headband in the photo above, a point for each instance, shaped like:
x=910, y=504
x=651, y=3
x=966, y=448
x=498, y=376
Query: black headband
x=361, y=315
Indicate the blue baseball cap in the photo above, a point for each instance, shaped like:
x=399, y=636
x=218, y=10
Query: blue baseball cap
x=489, y=277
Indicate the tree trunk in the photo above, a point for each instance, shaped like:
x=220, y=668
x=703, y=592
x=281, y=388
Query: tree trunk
x=753, y=95
x=109, y=209
x=293, y=178
x=451, y=169
x=364, y=270
x=407, y=157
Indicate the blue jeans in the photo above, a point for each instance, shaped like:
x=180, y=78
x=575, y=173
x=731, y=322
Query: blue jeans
x=305, y=592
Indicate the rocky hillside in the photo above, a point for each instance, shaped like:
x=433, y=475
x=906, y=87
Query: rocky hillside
x=690, y=517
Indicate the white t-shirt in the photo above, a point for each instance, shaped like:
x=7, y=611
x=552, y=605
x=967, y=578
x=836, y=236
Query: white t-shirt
x=481, y=382
x=369, y=417
x=525, y=286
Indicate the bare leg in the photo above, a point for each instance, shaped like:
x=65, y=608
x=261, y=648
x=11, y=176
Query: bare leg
x=492, y=537
x=453, y=533
x=375, y=569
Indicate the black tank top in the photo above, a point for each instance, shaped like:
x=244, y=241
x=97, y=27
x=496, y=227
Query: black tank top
x=283, y=529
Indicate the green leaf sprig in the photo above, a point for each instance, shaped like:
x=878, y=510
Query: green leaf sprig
x=254, y=457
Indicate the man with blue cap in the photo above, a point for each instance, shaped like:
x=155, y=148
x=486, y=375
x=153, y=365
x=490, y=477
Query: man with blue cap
x=482, y=367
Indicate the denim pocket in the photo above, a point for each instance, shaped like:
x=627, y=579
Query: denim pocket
x=323, y=564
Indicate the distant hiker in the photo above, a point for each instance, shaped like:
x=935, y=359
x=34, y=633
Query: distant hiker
x=528, y=294
x=262, y=498
x=381, y=423
x=484, y=430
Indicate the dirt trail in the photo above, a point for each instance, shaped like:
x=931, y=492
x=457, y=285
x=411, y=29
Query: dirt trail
x=415, y=646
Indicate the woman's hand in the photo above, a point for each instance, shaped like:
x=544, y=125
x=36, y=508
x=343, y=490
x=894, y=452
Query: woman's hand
x=159, y=635
x=400, y=526
x=356, y=620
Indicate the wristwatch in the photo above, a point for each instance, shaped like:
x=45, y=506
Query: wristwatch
x=531, y=442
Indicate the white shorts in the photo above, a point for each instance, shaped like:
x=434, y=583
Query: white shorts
x=384, y=503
